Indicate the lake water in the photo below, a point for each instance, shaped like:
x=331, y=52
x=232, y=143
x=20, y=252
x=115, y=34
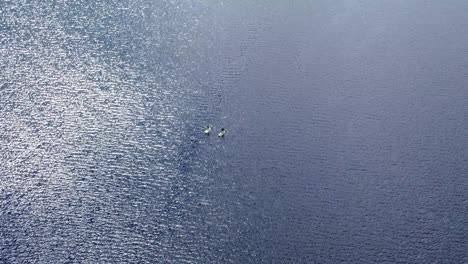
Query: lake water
x=347, y=131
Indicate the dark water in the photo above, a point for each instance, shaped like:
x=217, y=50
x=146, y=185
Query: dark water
x=347, y=131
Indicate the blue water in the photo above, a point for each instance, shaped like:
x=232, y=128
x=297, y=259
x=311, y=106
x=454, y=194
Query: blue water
x=347, y=127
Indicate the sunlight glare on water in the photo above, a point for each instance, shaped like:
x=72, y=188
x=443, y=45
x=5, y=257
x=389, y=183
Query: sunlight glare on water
x=345, y=131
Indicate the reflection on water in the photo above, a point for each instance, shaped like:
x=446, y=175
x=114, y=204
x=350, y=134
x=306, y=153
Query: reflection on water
x=346, y=133
x=94, y=134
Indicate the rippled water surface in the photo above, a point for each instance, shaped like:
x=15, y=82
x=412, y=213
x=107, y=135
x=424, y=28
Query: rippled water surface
x=347, y=127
